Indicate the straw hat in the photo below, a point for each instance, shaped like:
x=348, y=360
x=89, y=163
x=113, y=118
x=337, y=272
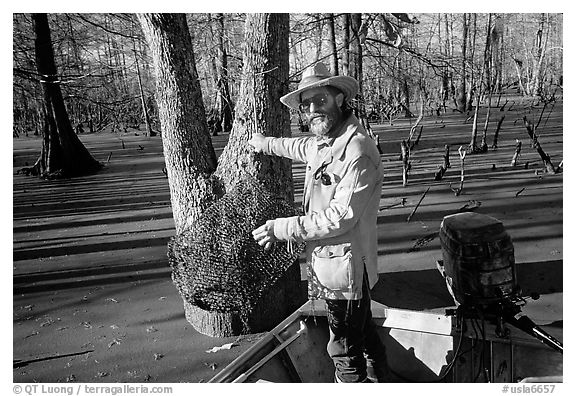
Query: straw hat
x=318, y=75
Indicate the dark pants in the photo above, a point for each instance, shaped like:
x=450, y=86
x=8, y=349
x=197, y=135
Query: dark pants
x=352, y=335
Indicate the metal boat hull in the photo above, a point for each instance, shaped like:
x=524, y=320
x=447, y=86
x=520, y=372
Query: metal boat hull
x=421, y=347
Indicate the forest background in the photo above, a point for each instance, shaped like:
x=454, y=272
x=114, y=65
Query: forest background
x=435, y=58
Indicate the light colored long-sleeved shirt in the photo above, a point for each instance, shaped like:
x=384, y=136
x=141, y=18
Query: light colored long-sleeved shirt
x=341, y=199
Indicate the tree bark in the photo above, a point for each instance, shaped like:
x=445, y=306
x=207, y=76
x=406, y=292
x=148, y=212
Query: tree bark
x=447, y=156
x=222, y=115
x=535, y=82
x=356, y=70
x=346, y=51
x=472, y=83
x=264, y=81
x=545, y=157
x=411, y=142
x=356, y=49
x=405, y=156
x=188, y=151
x=63, y=154
x=462, y=93
x=332, y=43
x=516, y=153
x=473, y=147
x=147, y=122
x=319, y=28
x=497, y=132
x=488, y=85
x=482, y=88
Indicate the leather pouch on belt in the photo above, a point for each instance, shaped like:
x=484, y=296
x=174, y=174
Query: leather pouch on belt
x=332, y=266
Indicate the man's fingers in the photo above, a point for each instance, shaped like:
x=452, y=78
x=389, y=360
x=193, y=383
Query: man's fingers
x=260, y=238
x=260, y=235
x=259, y=230
x=263, y=241
x=264, y=229
x=264, y=235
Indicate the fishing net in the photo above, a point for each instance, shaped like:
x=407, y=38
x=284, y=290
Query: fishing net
x=217, y=265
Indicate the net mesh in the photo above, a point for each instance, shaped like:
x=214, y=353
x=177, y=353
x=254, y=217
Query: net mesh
x=217, y=265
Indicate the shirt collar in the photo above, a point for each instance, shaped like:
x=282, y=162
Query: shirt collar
x=338, y=143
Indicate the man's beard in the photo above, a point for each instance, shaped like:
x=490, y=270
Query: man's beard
x=320, y=124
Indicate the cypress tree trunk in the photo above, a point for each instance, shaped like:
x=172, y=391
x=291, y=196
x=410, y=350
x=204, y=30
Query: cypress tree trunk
x=63, y=154
x=332, y=44
x=190, y=160
x=346, y=51
x=222, y=115
x=188, y=151
x=149, y=131
x=355, y=61
x=264, y=81
x=462, y=91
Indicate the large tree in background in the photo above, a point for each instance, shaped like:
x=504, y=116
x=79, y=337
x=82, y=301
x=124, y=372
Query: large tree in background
x=194, y=177
x=63, y=154
x=221, y=116
x=462, y=98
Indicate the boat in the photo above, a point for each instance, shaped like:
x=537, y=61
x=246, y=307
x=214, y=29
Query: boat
x=422, y=347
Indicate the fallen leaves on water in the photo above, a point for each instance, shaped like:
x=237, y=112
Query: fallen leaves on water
x=115, y=341
x=137, y=374
x=471, y=206
x=133, y=373
x=47, y=322
x=223, y=347
x=423, y=241
x=212, y=366
x=32, y=334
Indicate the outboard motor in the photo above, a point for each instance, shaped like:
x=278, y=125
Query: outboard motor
x=479, y=268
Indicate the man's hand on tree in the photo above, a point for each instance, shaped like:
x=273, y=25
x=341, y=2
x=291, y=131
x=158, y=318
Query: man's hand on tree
x=264, y=234
x=258, y=142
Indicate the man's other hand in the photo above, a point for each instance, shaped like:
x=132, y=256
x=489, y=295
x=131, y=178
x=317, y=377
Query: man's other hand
x=264, y=235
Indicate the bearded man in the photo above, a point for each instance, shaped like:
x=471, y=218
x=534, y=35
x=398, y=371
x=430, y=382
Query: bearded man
x=341, y=200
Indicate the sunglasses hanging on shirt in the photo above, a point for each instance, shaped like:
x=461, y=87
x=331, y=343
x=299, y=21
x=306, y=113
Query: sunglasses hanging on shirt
x=322, y=175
